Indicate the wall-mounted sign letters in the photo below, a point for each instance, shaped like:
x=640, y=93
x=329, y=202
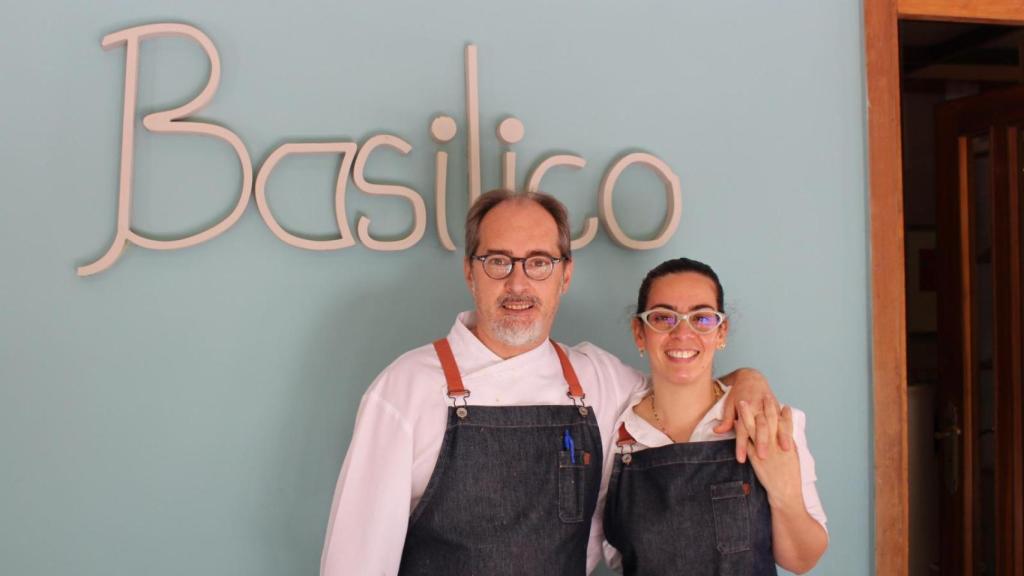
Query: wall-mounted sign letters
x=443, y=130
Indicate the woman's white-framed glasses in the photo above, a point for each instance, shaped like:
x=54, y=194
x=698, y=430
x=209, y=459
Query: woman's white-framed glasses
x=703, y=321
x=499, y=266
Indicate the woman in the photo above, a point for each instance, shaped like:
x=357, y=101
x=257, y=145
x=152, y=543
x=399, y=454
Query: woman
x=678, y=502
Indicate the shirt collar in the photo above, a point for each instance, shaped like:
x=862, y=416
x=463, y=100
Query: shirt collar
x=650, y=436
x=462, y=339
x=474, y=356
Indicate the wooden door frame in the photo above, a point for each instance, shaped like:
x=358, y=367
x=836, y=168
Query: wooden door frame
x=888, y=296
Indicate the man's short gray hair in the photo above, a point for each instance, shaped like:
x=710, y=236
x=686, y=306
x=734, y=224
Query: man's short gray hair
x=486, y=202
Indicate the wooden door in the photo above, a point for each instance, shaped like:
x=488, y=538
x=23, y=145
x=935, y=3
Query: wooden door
x=978, y=422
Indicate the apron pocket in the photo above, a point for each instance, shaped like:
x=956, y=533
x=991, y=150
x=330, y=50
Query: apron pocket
x=570, y=487
x=732, y=517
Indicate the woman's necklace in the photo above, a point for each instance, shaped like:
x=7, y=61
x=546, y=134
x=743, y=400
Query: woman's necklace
x=716, y=388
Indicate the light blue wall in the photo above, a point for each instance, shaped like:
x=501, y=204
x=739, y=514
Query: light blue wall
x=186, y=412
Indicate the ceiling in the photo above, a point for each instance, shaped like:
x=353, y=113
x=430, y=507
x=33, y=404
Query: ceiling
x=963, y=52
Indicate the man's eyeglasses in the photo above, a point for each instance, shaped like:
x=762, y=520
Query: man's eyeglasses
x=499, y=266
x=703, y=321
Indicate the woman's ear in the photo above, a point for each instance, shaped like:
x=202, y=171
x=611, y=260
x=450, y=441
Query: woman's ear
x=638, y=333
x=723, y=333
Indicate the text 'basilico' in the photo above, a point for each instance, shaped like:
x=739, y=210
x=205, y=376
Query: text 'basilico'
x=353, y=156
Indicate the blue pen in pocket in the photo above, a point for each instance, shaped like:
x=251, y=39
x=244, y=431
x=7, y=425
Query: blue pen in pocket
x=569, y=445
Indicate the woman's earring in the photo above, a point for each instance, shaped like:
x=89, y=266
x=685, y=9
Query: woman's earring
x=641, y=351
x=721, y=346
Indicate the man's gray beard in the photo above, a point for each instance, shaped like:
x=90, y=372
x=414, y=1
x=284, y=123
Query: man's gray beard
x=511, y=333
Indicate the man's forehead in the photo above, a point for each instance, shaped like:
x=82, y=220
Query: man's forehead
x=519, y=226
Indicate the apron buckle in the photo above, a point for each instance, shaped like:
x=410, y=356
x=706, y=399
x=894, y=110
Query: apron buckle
x=460, y=411
x=625, y=439
x=627, y=457
x=578, y=402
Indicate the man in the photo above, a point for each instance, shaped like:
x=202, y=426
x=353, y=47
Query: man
x=481, y=454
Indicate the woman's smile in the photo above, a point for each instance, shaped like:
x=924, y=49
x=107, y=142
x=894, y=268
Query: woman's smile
x=686, y=354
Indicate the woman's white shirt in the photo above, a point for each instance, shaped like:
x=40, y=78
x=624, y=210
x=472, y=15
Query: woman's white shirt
x=648, y=436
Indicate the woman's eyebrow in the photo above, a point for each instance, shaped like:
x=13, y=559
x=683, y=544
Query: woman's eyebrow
x=673, y=308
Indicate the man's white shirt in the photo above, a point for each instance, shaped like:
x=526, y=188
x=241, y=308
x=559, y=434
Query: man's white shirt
x=402, y=420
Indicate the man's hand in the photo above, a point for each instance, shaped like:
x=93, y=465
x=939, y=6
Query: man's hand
x=750, y=386
x=798, y=540
x=779, y=472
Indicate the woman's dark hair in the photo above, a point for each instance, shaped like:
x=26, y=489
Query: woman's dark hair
x=678, y=266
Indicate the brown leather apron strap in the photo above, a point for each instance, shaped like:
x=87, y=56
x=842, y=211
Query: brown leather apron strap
x=451, y=369
x=626, y=444
x=575, y=390
x=454, y=380
x=624, y=438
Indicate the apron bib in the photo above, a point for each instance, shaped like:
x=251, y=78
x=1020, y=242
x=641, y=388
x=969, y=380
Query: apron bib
x=513, y=490
x=688, y=509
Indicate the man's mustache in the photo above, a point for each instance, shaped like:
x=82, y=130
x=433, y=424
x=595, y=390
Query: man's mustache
x=519, y=299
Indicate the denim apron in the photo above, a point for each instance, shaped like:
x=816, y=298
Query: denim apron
x=688, y=509
x=513, y=490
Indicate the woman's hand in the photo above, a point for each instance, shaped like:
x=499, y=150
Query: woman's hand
x=750, y=386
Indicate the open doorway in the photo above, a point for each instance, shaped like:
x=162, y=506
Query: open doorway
x=962, y=133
